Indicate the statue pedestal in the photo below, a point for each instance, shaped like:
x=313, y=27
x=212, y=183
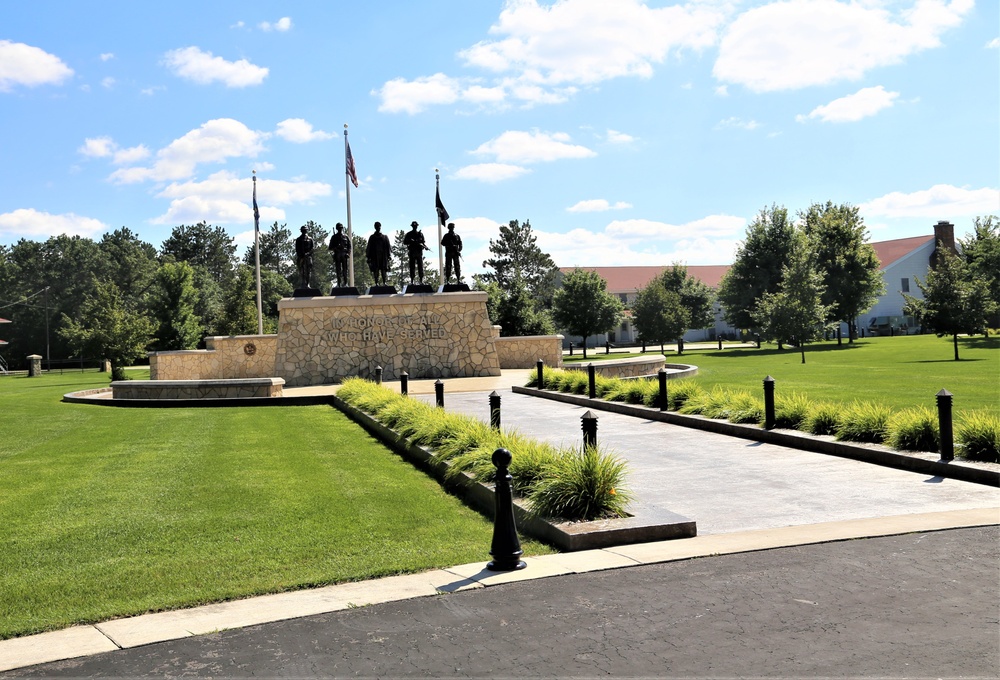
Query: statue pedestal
x=454, y=288
x=344, y=290
x=417, y=288
x=382, y=290
x=438, y=335
x=306, y=292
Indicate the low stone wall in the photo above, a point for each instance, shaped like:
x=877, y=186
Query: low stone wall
x=525, y=351
x=227, y=356
x=632, y=367
x=197, y=389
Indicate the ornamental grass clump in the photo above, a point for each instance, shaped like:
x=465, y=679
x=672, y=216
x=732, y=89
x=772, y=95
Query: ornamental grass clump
x=864, y=421
x=679, y=392
x=791, y=411
x=978, y=437
x=611, y=389
x=581, y=485
x=745, y=408
x=575, y=382
x=822, y=418
x=914, y=429
x=636, y=390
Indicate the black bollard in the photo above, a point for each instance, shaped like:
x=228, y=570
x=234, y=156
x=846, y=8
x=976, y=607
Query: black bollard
x=944, y=425
x=607, y=347
x=540, y=369
x=680, y=345
x=591, y=381
x=756, y=338
x=378, y=375
x=720, y=343
x=589, y=422
x=404, y=386
x=506, y=548
x=661, y=375
x=571, y=349
x=439, y=393
x=768, y=403
x=643, y=346
x=494, y=410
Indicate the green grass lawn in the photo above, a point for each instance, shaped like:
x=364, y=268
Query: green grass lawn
x=107, y=512
x=899, y=372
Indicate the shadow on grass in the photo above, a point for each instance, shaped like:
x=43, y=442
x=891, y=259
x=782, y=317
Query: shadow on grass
x=774, y=351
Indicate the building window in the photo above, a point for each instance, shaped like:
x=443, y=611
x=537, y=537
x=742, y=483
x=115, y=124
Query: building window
x=623, y=297
x=904, y=285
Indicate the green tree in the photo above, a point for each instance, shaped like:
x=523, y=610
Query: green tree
x=131, y=263
x=239, y=304
x=659, y=314
x=696, y=299
x=277, y=251
x=363, y=279
x=515, y=311
x=851, y=269
x=399, y=264
x=981, y=250
x=796, y=312
x=757, y=267
x=202, y=245
x=955, y=301
x=322, y=259
x=172, y=304
x=583, y=306
x=516, y=254
x=107, y=327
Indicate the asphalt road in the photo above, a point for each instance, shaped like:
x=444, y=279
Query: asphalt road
x=913, y=606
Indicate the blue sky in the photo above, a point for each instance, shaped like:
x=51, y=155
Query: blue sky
x=627, y=132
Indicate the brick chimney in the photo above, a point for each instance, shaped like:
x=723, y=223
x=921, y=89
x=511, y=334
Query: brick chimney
x=944, y=238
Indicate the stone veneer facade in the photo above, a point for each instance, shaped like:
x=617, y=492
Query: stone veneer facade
x=525, y=351
x=197, y=389
x=234, y=356
x=323, y=340
x=632, y=367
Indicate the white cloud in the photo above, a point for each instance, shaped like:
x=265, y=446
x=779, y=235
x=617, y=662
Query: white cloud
x=108, y=82
x=222, y=198
x=107, y=56
x=31, y=223
x=477, y=228
x=402, y=96
x=150, y=91
x=735, y=122
x=588, y=41
x=213, y=142
x=300, y=131
x=544, y=53
x=616, y=137
x=597, y=205
x=30, y=66
x=588, y=248
x=789, y=45
x=97, y=147
x=281, y=25
x=862, y=104
x=642, y=229
x=515, y=146
x=722, y=91
x=203, y=68
x=993, y=44
x=131, y=155
x=490, y=172
x=941, y=201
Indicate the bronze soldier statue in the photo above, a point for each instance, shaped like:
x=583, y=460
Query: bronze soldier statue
x=378, y=254
x=340, y=248
x=415, y=247
x=452, y=243
x=304, y=258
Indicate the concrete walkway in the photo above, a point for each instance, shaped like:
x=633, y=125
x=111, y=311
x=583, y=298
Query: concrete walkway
x=745, y=496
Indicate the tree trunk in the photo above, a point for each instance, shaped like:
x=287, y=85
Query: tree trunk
x=840, y=339
x=585, y=347
x=680, y=345
x=802, y=349
x=955, y=342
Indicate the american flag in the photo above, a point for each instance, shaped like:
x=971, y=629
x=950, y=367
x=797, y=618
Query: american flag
x=351, y=170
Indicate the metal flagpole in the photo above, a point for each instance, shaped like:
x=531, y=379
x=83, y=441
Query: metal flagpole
x=347, y=183
x=437, y=196
x=256, y=248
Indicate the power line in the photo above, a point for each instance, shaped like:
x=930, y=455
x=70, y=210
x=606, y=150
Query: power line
x=24, y=300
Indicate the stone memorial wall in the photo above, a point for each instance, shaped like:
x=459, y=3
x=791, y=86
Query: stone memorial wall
x=525, y=351
x=323, y=340
x=233, y=356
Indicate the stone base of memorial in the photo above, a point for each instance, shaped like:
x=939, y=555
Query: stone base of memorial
x=439, y=335
x=382, y=290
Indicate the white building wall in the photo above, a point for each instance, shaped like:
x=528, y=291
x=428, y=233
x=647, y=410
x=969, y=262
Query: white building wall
x=915, y=264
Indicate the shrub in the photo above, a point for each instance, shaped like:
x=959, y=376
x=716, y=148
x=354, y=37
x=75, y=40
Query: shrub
x=575, y=382
x=694, y=403
x=603, y=385
x=679, y=392
x=978, y=437
x=864, y=421
x=822, y=418
x=745, y=407
x=636, y=390
x=716, y=404
x=584, y=486
x=791, y=411
x=915, y=429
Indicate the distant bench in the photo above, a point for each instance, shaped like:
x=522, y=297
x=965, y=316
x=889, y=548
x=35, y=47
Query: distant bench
x=232, y=388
